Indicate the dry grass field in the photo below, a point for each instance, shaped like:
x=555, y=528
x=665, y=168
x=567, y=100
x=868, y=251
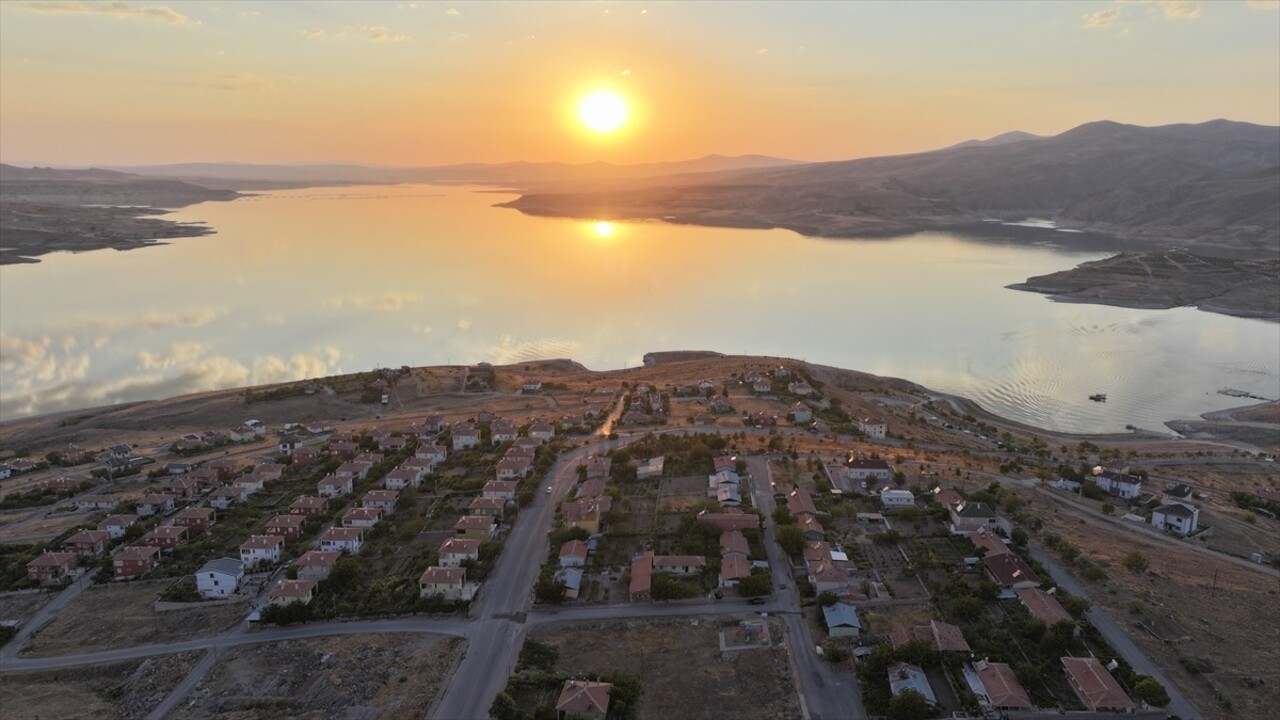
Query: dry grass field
x=23, y=604
x=123, y=690
x=86, y=626
x=389, y=677
x=682, y=671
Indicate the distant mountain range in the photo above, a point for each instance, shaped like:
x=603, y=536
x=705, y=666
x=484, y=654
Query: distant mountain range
x=1213, y=186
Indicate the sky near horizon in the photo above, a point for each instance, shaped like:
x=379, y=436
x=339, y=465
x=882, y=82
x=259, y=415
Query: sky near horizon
x=426, y=83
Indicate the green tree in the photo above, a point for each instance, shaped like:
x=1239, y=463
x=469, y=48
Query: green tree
x=909, y=705
x=1135, y=562
x=1019, y=537
x=1150, y=691
x=755, y=585
x=826, y=598
x=504, y=707
x=791, y=539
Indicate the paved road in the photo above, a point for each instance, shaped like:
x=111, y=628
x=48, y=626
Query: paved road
x=452, y=626
x=825, y=692
x=505, y=597
x=42, y=617
x=182, y=689
x=1178, y=703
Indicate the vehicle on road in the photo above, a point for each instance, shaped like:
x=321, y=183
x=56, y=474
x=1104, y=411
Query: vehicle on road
x=756, y=601
x=548, y=489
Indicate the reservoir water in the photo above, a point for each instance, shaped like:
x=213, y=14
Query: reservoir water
x=307, y=283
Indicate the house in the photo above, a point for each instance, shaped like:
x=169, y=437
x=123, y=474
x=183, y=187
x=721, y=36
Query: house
x=800, y=503
x=1043, y=606
x=269, y=472
x=584, y=699
x=456, y=550
x=572, y=580
x=1009, y=571
x=573, y=554
x=586, y=513
x=166, y=537
x=504, y=490
x=486, y=506
x=728, y=496
x=435, y=453
x=152, y=504
x=393, y=443
x=903, y=676
x=817, y=551
x=641, y=577
x=891, y=499
x=734, y=543
x=679, y=564
x=1180, y=494
x=432, y=425
x=445, y=582
x=968, y=517
x=477, y=527
x=651, y=468
x=1122, y=485
x=287, y=592
x=1000, y=686
x=722, y=478
x=89, y=503
x=465, y=436
x=315, y=565
x=1094, y=685
x=811, y=528
x=842, y=620
x=352, y=471
x=860, y=469
x=250, y=484
x=51, y=568
x=531, y=386
x=513, y=467
x=6, y=471
x=502, y=430
x=988, y=543
x=873, y=427
x=801, y=388
x=384, y=500
x=731, y=520
x=342, y=448
x=308, y=505
x=197, y=519
x=947, y=498
x=733, y=568
x=762, y=385
x=828, y=575
x=89, y=543
x=288, y=445
x=334, y=486
x=542, y=430
x=224, y=497
x=361, y=517
x=116, y=525
x=134, y=561
x=288, y=527
x=219, y=578
x=943, y=637
x=403, y=477
x=598, y=467
x=304, y=456
x=801, y=414
x=261, y=550
x=1177, y=517
x=341, y=539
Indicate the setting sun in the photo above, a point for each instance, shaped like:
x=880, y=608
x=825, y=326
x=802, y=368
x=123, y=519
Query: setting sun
x=603, y=111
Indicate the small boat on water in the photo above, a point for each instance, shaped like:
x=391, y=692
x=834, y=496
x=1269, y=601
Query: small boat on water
x=1098, y=397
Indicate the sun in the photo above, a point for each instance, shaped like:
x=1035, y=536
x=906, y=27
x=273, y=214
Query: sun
x=603, y=111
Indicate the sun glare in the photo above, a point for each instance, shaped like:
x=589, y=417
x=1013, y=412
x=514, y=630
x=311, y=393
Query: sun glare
x=603, y=229
x=603, y=111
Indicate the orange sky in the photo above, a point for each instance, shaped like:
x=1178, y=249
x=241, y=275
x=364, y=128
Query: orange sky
x=410, y=83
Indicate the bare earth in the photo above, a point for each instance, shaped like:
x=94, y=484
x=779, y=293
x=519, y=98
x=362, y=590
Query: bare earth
x=124, y=690
x=82, y=628
x=682, y=671
x=389, y=677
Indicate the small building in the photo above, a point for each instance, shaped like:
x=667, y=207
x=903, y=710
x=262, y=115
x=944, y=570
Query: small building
x=89, y=503
x=641, y=577
x=457, y=550
x=308, y=505
x=225, y=497
x=334, y=486
x=988, y=543
x=88, y=543
x=734, y=543
x=651, y=467
x=219, y=578
x=287, y=592
x=842, y=620
x=288, y=527
x=1177, y=518
x=477, y=527
x=1009, y=571
x=361, y=517
x=492, y=507
x=465, y=436
x=1094, y=685
x=873, y=427
x=52, y=568
x=196, y=519
x=968, y=517
x=315, y=565
x=573, y=554
x=501, y=431
x=166, y=537
x=261, y=550
x=1120, y=484
x=1000, y=686
x=584, y=699
x=730, y=520
x=903, y=676
x=890, y=499
x=679, y=564
x=860, y=469
x=1043, y=606
x=116, y=525
x=733, y=569
x=446, y=582
x=134, y=561
x=341, y=539
x=384, y=500
x=801, y=414
x=504, y=490
x=943, y=637
x=156, y=503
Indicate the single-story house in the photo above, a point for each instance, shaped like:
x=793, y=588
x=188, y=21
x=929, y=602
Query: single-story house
x=584, y=699
x=842, y=620
x=1094, y=685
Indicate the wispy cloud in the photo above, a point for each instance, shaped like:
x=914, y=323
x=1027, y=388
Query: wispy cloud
x=1104, y=18
x=1263, y=4
x=386, y=303
x=1121, y=12
x=115, y=8
x=316, y=33
x=452, y=11
x=177, y=354
x=1180, y=9
x=375, y=33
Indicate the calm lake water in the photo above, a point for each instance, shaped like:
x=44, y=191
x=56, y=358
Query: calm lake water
x=305, y=283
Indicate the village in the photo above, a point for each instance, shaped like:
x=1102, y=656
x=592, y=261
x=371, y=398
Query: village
x=884, y=545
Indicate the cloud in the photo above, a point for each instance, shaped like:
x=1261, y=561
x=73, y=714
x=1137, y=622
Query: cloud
x=248, y=82
x=388, y=302
x=376, y=33
x=316, y=34
x=464, y=324
x=177, y=354
x=452, y=12
x=116, y=8
x=508, y=351
x=1263, y=4
x=271, y=369
x=1104, y=18
x=394, y=302
x=1180, y=9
